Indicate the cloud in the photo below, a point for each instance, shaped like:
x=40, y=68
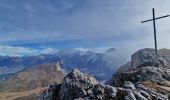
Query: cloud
x=86, y=24
x=93, y=49
x=21, y=51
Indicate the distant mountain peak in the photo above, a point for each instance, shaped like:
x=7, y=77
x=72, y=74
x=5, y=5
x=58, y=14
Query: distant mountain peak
x=111, y=50
x=58, y=66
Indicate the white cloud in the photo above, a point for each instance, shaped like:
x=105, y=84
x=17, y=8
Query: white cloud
x=111, y=23
x=93, y=49
x=82, y=49
x=48, y=50
x=22, y=51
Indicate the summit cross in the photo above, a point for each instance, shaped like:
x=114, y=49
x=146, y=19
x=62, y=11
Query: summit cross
x=154, y=26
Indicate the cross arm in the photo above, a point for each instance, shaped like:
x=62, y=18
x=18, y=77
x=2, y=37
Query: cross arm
x=155, y=19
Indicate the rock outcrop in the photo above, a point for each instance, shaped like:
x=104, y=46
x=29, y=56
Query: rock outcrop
x=144, y=78
x=146, y=70
x=79, y=86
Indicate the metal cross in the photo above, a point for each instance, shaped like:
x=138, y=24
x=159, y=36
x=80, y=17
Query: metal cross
x=154, y=26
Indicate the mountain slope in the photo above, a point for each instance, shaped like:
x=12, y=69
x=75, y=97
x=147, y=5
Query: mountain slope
x=32, y=80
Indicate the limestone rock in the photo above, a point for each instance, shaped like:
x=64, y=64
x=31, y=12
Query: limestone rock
x=146, y=70
x=80, y=86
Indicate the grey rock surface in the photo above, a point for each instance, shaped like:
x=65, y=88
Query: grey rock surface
x=80, y=86
x=146, y=70
x=143, y=78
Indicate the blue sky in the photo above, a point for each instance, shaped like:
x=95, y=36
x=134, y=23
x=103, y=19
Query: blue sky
x=43, y=26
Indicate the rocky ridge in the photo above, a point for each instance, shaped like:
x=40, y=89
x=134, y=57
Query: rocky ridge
x=79, y=86
x=146, y=78
x=145, y=69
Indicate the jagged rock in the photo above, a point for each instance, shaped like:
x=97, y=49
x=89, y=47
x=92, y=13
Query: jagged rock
x=152, y=94
x=143, y=56
x=146, y=57
x=80, y=86
x=145, y=78
x=51, y=92
x=129, y=85
x=76, y=85
x=145, y=69
x=101, y=92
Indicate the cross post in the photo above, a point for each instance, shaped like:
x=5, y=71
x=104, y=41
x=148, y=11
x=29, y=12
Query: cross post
x=154, y=27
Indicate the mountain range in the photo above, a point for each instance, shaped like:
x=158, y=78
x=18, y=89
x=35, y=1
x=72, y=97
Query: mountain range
x=144, y=77
x=96, y=64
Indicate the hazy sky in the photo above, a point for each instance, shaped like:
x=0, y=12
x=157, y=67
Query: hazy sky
x=44, y=26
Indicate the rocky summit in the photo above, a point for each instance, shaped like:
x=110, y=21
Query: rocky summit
x=145, y=69
x=145, y=78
